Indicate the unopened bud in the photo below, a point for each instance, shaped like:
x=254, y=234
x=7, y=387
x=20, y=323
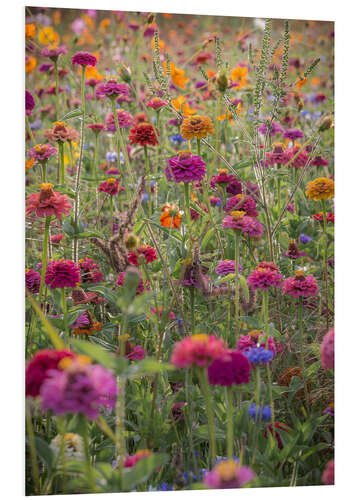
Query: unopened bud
x=222, y=81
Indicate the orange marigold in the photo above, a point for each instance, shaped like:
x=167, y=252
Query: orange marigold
x=240, y=75
x=321, y=188
x=177, y=75
x=196, y=126
x=30, y=64
x=30, y=30
x=171, y=216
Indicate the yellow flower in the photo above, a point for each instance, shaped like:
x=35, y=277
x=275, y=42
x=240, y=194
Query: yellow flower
x=300, y=83
x=321, y=188
x=30, y=64
x=196, y=126
x=180, y=105
x=48, y=36
x=104, y=25
x=240, y=75
x=177, y=75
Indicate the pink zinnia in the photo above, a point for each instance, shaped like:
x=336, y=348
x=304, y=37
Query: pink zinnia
x=222, y=178
x=84, y=59
x=145, y=252
x=54, y=53
x=244, y=223
x=112, y=89
x=130, y=461
x=199, y=350
x=233, y=370
x=37, y=370
x=242, y=202
x=110, y=186
x=156, y=103
x=125, y=120
x=62, y=273
x=328, y=476
x=328, y=350
x=301, y=159
x=79, y=388
x=300, y=285
x=56, y=238
x=227, y=267
x=264, y=277
x=96, y=127
x=32, y=281
x=48, y=202
x=139, y=289
x=42, y=152
x=185, y=167
x=90, y=272
x=228, y=474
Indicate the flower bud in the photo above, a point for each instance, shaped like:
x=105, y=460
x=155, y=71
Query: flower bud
x=326, y=124
x=222, y=81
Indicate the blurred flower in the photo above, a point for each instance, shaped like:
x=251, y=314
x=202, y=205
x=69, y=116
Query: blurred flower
x=29, y=102
x=330, y=217
x=300, y=285
x=130, y=461
x=73, y=446
x=260, y=413
x=228, y=474
x=56, y=238
x=274, y=129
x=32, y=280
x=143, y=134
x=293, y=134
x=171, y=216
x=156, y=103
x=293, y=252
x=112, y=89
x=110, y=186
x=225, y=267
x=41, y=152
x=90, y=272
x=140, y=287
x=304, y=238
x=142, y=254
x=84, y=59
x=199, y=350
x=61, y=133
x=85, y=324
x=239, y=75
x=234, y=369
x=259, y=355
x=328, y=476
x=328, y=350
x=177, y=75
x=238, y=221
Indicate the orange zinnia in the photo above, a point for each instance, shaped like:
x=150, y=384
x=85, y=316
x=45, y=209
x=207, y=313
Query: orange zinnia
x=240, y=75
x=196, y=126
x=177, y=75
x=171, y=216
x=180, y=105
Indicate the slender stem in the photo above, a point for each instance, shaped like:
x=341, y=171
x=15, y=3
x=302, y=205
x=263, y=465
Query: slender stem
x=29, y=130
x=64, y=309
x=192, y=301
x=187, y=203
x=147, y=170
x=198, y=147
x=301, y=341
x=118, y=135
x=84, y=431
x=230, y=435
x=61, y=155
x=95, y=170
x=210, y=415
x=32, y=446
x=111, y=214
x=57, y=90
x=325, y=260
x=44, y=256
x=78, y=176
x=237, y=244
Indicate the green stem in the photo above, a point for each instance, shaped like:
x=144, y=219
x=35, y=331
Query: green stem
x=44, y=256
x=64, y=309
x=29, y=130
x=230, y=436
x=236, y=248
x=84, y=432
x=61, y=155
x=187, y=203
x=147, y=170
x=57, y=90
x=301, y=341
x=325, y=260
x=192, y=297
x=114, y=110
x=111, y=214
x=198, y=147
x=210, y=415
x=32, y=447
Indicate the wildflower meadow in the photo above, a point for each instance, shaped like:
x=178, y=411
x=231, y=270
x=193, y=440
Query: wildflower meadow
x=179, y=252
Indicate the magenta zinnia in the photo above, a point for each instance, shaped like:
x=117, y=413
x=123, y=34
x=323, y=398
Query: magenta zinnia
x=264, y=276
x=84, y=59
x=300, y=285
x=185, y=167
x=62, y=273
x=233, y=370
x=199, y=350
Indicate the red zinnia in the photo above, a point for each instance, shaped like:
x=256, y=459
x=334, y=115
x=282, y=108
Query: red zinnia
x=143, y=134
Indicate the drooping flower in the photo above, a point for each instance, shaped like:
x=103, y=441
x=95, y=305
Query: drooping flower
x=300, y=285
x=185, y=167
x=37, y=370
x=84, y=59
x=32, y=281
x=42, y=152
x=228, y=474
x=62, y=273
x=225, y=267
x=61, y=133
x=48, y=202
x=293, y=252
x=242, y=202
x=328, y=350
x=196, y=126
x=233, y=370
x=144, y=134
x=321, y=188
x=78, y=387
x=198, y=350
x=293, y=134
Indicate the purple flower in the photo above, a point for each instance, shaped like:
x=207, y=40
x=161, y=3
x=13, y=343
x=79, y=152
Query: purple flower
x=78, y=388
x=226, y=372
x=185, y=167
x=112, y=89
x=125, y=120
x=319, y=161
x=32, y=281
x=247, y=225
x=228, y=474
x=260, y=413
x=304, y=238
x=227, y=267
x=293, y=134
x=275, y=128
x=42, y=152
x=242, y=202
x=84, y=59
x=29, y=102
x=54, y=53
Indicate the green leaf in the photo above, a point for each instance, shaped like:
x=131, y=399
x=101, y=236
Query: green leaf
x=105, y=358
x=44, y=452
x=206, y=239
x=143, y=470
x=243, y=284
x=71, y=114
x=148, y=366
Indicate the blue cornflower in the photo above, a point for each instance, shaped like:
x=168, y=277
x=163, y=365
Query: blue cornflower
x=260, y=413
x=36, y=125
x=145, y=197
x=304, y=238
x=111, y=157
x=177, y=138
x=259, y=355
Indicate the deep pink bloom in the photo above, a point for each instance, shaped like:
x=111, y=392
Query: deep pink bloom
x=199, y=350
x=48, y=202
x=301, y=159
x=319, y=161
x=96, y=127
x=156, y=103
x=242, y=202
x=147, y=252
x=29, y=102
x=84, y=59
x=130, y=461
x=56, y=238
x=264, y=276
x=54, y=53
x=234, y=187
x=300, y=286
x=112, y=89
x=328, y=350
x=247, y=225
x=185, y=167
x=275, y=128
x=254, y=338
x=32, y=280
x=62, y=273
x=79, y=388
x=277, y=156
x=42, y=152
x=293, y=134
x=90, y=272
x=125, y=120
x=233, y=370
x=328, y=476
x=222, y=178
x=137, y=352
x=110, y=186
x=37, y=369
x=228, y=474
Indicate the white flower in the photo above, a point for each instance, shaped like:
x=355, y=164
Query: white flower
x=73, y=445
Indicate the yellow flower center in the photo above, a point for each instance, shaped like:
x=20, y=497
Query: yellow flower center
x=227, y=470
x=111, y=180
x=237, y=214
x=222, y=170
x=200, y=337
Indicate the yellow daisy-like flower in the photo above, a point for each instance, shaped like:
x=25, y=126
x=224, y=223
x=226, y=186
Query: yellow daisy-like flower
x=181, y=105
x=196, y=126
x=48, y=36
x=321, y=188
x=177, y=75
x=240, y=75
